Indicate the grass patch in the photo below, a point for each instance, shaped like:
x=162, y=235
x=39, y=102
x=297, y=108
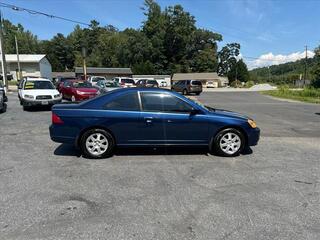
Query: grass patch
x=12, y=82
x=310, y=95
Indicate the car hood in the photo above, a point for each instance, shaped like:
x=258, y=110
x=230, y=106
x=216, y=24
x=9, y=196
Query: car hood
x=36, y=92
x=88, y=90
x=227, y=113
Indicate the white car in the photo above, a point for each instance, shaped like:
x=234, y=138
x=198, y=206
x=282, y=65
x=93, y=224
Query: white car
x=94, y=79
x=212, y=84
x=125, y=82
x=37, y=91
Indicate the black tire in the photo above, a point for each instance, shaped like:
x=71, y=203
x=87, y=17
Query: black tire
x=185, y=92
x=197, y=93
x=110, y=142
x=216, y=148
x=25, y=108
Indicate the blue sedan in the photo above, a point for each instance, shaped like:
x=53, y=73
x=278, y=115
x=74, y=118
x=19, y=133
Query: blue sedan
x=149, y=117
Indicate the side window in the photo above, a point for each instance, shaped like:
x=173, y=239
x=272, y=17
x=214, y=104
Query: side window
x=126, y=102
x=162, y=102
x=66, y=84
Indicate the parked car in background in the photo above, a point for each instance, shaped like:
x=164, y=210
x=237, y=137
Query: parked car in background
x=124, y=82
x=61, y=81
x=147, y=83
x=37, y=91
x=187, y=87
x=163, y=84
x=107, y=85
x=211, y=84
x=149, y=117
x=94, y=79
x=3, y=98
x=78, y=90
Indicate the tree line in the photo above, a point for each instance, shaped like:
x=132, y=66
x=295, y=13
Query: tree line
x=167, y=42
x=288, y=73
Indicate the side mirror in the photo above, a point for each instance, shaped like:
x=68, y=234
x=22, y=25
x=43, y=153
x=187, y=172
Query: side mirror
x=195, y=112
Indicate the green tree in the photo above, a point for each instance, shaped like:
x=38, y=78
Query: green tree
x=228, y=58
x=239, y=71
x=316, y=80
x=60, y=53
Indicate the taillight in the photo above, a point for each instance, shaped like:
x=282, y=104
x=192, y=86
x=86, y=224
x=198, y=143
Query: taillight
x=56, y=119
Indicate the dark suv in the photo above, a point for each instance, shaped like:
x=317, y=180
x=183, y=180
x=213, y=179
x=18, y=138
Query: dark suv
x=3, y=98
x=188, y=86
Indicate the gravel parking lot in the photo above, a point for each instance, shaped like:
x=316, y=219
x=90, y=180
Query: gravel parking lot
x=48, y=191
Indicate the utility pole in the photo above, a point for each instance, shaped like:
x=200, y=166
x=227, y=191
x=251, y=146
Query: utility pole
x=305, y=67
x=84, y=55
x=3, y=56
x=19, y=76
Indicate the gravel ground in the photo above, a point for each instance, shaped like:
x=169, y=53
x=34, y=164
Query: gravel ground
x=48, y=191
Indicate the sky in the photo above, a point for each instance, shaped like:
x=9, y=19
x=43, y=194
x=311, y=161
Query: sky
x=269, y=31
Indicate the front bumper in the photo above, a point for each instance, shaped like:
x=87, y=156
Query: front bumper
x=253, y=136
x=29, y=103
x=83, y=97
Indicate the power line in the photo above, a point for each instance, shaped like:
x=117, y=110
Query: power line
x=34, y=12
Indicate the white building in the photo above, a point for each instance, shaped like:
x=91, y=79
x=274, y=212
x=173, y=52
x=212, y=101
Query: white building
x=36, y=65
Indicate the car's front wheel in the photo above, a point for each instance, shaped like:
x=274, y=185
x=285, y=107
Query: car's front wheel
x=97, y=143
x=229, y=142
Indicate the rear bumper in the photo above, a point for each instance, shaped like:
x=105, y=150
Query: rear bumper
x=253, y=136
x=55, y=135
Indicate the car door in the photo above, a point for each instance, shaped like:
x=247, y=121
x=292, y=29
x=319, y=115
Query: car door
x=121, y=114
x=183, y=125
x=66, y=89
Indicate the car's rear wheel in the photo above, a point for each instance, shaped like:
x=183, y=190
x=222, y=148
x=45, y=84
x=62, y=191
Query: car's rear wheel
x=229, y=142
x=185, y=92
x=97, y=143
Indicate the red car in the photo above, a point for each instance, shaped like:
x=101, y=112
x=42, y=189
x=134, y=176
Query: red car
x=78, y=90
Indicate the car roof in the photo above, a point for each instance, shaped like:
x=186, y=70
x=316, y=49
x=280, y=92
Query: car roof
x=38, y=79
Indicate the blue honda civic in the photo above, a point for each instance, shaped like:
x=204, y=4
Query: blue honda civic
x=149, y=117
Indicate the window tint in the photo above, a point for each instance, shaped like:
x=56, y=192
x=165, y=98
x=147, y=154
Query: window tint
x=126, y=102
x=162, y=102
x=197, y=83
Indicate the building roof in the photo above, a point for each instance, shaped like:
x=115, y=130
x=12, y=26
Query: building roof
x=151, y=76
x=195, y=76
x=63, y=74
x=25, y=57
x=93, y=70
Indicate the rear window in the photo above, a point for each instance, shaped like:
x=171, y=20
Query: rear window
x=197, y=83
x=82, y=85
x=127, y=80
x=152, y=82
x=125, y=102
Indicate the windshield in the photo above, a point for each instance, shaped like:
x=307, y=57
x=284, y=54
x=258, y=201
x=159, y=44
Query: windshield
x=96, y=79
x=112, y=84
x=152, y=82
x=127, y=80
x=82, y=85
x=31, y=85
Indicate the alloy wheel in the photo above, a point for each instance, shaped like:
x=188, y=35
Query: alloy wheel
x=97, y=144
x=230, y=143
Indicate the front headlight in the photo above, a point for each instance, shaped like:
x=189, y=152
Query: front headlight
x=252, y=123
x=80, y=93
x=28, y=96
x=57, y=96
